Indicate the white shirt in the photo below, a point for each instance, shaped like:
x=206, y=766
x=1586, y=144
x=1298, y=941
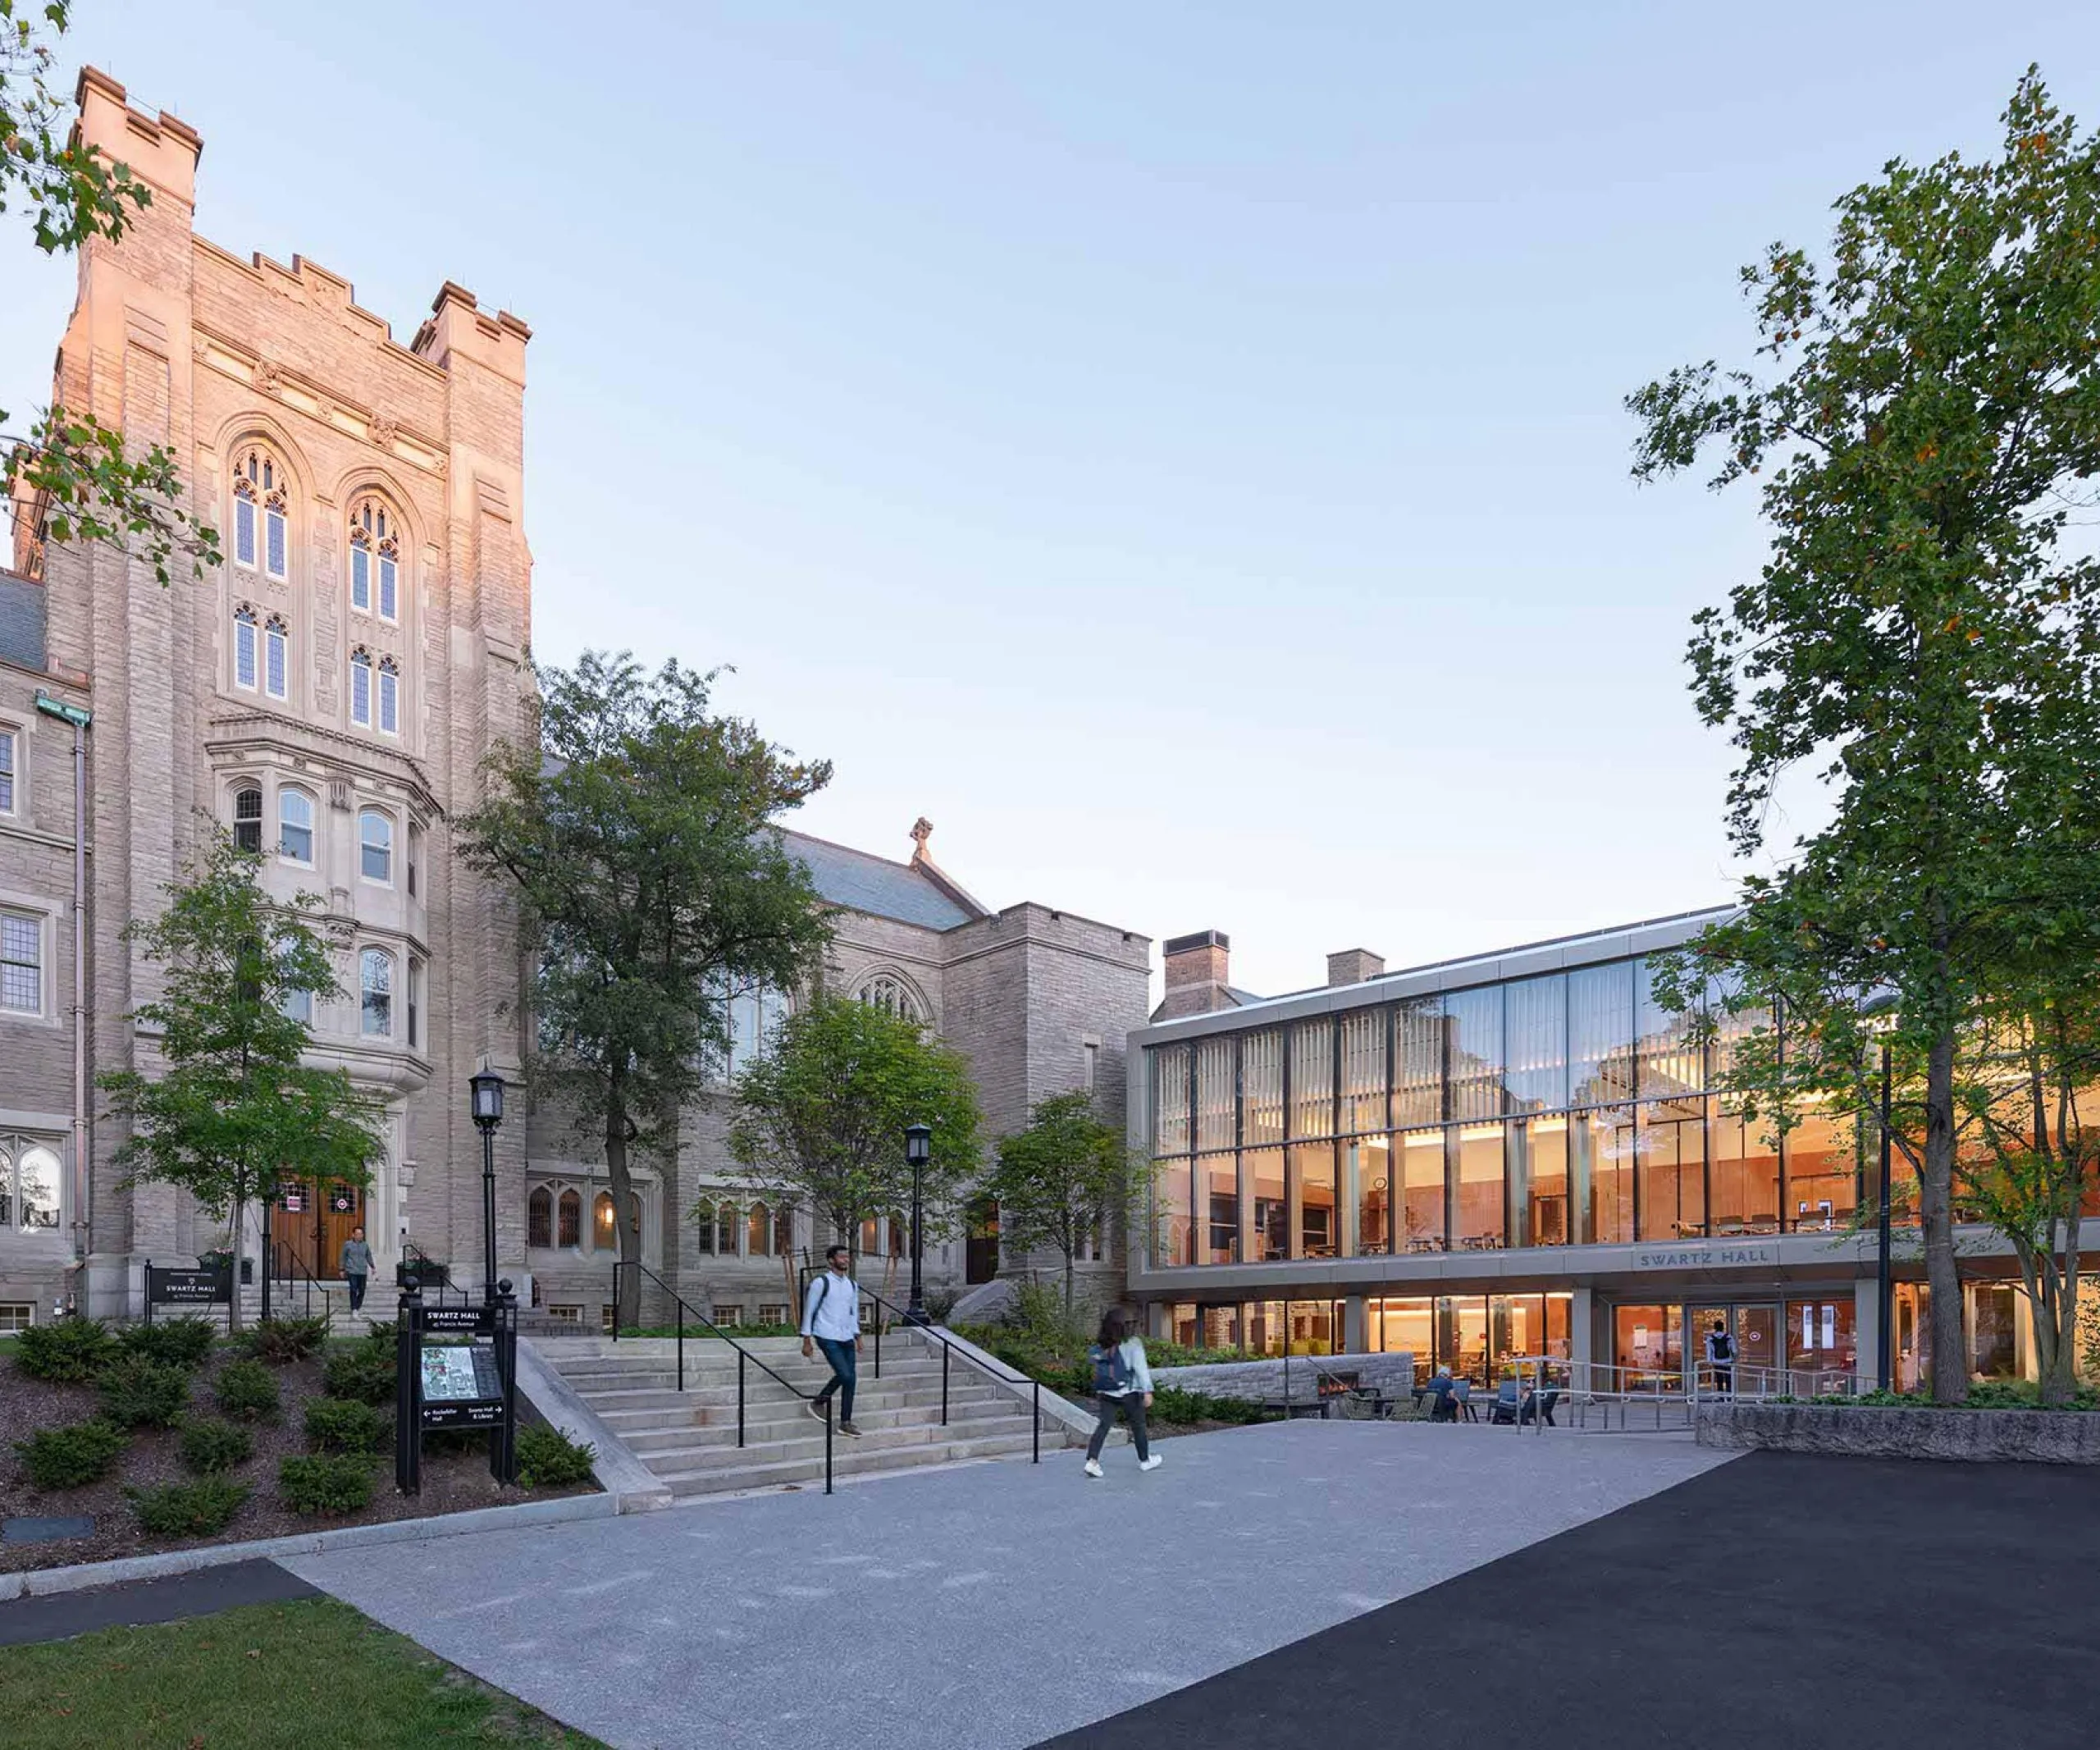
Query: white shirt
x=832, y=1308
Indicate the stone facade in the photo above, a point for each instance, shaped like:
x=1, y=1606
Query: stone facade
x=1038, y=1002
x=329, y=692
x=348, y=665
x=2022, y=1437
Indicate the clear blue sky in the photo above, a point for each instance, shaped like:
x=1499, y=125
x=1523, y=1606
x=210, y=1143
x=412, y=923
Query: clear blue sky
x=1176, y=447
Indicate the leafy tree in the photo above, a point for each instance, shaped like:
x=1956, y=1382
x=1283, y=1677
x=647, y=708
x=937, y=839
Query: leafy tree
x=234, y=1107
x=1919, y=642
x=1064, y=1180
x=91, y=488
x=635, y=831
x=821, y=1115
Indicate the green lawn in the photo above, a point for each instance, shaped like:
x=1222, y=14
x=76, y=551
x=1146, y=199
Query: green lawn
x=310, y=1674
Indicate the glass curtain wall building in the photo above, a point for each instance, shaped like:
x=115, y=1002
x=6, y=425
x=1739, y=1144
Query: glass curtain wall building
x=1522, y=1153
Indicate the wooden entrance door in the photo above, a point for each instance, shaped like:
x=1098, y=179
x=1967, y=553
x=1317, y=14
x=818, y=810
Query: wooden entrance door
x=980, y=1254
x=309, y=1222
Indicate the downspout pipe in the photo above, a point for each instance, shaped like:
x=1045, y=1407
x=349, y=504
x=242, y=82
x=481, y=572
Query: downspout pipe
x=80, y=717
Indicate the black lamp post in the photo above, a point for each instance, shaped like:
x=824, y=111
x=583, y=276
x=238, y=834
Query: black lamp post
x=487, y=1108
x=1885, y=1288
x=918, y=1150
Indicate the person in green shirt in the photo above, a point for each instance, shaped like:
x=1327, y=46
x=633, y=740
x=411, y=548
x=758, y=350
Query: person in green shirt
x=356, y=1266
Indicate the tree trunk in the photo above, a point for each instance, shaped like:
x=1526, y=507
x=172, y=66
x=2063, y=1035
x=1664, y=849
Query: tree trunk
x=1068, y=1288
x=627, y=1309
x=1950, y=1360
x=233, y=1246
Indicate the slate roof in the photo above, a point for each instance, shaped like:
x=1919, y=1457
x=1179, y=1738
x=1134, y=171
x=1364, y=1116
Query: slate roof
x=875, y=884
x=21, y=621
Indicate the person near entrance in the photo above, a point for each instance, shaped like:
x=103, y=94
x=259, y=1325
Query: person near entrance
x=1720, y=1356
x=831, y=1321
x=1122, y=1385
x=356, y=1262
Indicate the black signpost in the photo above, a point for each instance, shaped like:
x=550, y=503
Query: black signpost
x=172, y=1287
x=448, y=1383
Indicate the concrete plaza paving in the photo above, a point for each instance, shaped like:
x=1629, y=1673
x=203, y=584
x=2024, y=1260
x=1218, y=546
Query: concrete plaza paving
x=994, y=1605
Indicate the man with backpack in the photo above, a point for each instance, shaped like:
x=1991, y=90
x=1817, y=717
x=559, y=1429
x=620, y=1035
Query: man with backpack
x=1122, y=1385
x=1720, y=1356
x=831, y=1321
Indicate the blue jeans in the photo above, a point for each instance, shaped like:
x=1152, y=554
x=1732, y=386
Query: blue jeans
x=845, y=1373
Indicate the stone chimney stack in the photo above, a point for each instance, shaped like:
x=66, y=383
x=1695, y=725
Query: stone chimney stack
x=1353, y=965
x=1197, y=968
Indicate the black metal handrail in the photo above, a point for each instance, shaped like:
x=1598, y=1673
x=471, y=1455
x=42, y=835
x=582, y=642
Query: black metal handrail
x=743, y=1354
x=429, y=1273
x=948, y=1346
x=282, y=1263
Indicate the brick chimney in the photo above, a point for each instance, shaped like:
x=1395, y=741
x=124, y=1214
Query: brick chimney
x=1196, y=974
x=1353, y=965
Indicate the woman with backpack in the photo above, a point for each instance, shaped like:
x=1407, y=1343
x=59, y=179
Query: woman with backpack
x=1122, y=1384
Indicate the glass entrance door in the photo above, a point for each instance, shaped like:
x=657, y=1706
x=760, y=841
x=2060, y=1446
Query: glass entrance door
x=1753, y=1332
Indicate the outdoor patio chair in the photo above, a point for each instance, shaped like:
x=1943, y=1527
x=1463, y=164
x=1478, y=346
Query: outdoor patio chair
x=1540, y=1408
x=1507, y=1397
x=1462, y=1400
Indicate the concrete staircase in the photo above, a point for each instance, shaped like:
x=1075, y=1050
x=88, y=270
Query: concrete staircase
x=289, y=1301
x=688, y=1439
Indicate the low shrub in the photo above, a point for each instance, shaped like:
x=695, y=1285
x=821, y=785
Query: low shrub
x=381, y=1333
x=335, y=1424
x=137, y=1392
x=278, y=1341
x=361, y=1372
x=69, y=1458
x=64, y=1351
x=327, y=1483
x=188, y=1509
x=548, y=1459
x=1172, y=1405
x=174, y=1342
x=210, y=1445
x=247, y=1390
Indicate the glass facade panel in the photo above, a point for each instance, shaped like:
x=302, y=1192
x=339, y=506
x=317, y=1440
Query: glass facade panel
x=1822, y=1175
x=1170, y=1100
x=1173, y=1243
x=1217, y=1184
x=1312, y=1186
x=1604, y=1145
x=1993, y=1330
x=1421, y=1190
x=1601, y=1035
x=1217, y=1115
x=1476, y=1187
x=1672, y=1194
x=1269, y=1234
x=1538, y=1182
x=1649, y=1343
x=1910, y=1354
x=1744, y=1176
x=1367, y=1187
x=1265, y=1326
x=1669, y=1045
x=1819, y=1343
x=1219, y=1327
x=1363, y=1071
x=1404, y=1324
x=1462, y=1335
x=1316, y=1327
x=1474, y=1024
x=1536, y=1021
x=1418, y=1062
x=1313, y=1079
x=1261, y=1074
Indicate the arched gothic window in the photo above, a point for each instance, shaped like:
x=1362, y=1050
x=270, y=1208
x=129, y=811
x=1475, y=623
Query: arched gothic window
x=725, y=1228
x=900, y=1234
x=602, y=1235
x=540, y=1217
x=259, y=505
x=390, y=697
x=375, y=560
x=247, y=819
x=758, y=1231
x=375, y=846
x=571, y=1219
x=892, y=995
x=296, y=826
x=244, y=647
x=703, y=1216
x=783, y=1230
x=361, y=687
x=277, y=652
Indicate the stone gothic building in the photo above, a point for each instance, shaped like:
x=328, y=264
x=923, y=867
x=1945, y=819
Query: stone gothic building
x=327, y=694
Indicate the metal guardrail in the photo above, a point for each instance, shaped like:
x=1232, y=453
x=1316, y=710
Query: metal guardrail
x=947, y=1348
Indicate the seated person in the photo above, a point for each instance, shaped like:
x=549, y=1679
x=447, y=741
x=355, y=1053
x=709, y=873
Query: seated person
x=1440, y=1387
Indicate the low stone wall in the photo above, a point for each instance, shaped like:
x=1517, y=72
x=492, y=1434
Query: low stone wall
x=1261, y=1381
x=2034, y=1436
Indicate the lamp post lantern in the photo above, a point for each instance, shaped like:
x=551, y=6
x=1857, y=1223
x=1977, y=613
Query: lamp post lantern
x=918, y=1150
x=487, y=1106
